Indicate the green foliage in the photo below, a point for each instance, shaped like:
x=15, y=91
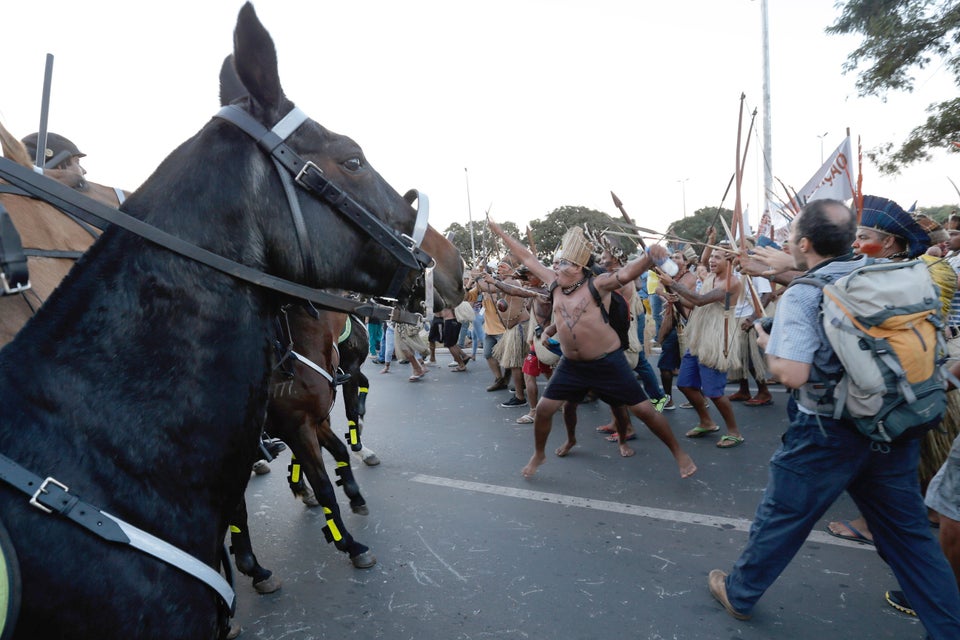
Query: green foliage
x=548, y=232
x=900, y=36
x=940, y=214
x=482, y=240
x=694, y=228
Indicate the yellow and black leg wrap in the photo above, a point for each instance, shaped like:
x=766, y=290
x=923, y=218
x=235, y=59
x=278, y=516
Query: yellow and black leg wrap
x=341, y=468
x=294, y=476
x=331, y=532
x=353, y=436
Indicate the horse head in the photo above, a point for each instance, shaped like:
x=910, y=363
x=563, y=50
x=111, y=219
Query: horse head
x=249, y=79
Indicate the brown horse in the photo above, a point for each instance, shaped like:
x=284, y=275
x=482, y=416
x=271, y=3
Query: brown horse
x=314, y=346
x=44, y=228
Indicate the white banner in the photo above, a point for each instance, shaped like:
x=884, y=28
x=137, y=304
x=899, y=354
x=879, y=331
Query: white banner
x=833, y=180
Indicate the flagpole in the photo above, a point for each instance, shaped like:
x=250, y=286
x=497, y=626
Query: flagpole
x=473, y=248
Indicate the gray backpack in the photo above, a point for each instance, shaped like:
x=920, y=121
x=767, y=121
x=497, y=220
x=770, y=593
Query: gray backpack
x=883, y=322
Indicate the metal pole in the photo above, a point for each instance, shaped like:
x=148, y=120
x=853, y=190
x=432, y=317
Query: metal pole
x=473, y=248
x=767, y=126
x=683, y=190
x=44, y=111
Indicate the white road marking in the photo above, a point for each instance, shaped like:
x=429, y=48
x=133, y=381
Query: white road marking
x=734, y=524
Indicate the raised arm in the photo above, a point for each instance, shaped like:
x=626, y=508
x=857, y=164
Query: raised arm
x=632, y=270
x=545, y=274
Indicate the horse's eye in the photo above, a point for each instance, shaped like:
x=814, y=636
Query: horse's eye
x=353, y=164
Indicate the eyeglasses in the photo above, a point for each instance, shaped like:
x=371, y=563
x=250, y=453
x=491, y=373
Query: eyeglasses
x=565, y=263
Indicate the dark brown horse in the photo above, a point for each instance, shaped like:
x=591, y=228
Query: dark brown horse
x=139, y=388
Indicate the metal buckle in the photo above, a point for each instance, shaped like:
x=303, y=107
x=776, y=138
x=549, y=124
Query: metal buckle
x=43, y=489
x=8, y=290
x=306, y=165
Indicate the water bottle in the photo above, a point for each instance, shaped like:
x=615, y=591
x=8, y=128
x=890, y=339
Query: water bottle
x=666, y=265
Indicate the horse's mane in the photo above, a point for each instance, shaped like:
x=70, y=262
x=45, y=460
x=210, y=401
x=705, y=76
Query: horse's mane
x=13, y=149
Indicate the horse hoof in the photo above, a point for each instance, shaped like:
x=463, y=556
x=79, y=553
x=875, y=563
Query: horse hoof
x=234, y=631
x=364, y=560
x=371, y=460
x=268, y=585
x=309, y=498
x=360, y=509
x=260, y=467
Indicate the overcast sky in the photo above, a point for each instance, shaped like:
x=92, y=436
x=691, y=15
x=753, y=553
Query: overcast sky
x=535, y=104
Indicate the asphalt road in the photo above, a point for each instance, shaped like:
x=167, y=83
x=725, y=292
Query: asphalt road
x=594, y=546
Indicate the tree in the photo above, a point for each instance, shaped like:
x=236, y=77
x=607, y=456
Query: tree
x=900, y=36
x=694, y=228
x=548, y=233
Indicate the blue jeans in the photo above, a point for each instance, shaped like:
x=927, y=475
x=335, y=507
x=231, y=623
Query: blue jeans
x=375, y=332
x=656, y=310
x=807, y=474
x=648, y=377
x=386, y=345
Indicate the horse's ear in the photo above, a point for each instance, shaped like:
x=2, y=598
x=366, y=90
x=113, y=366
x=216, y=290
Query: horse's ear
x=13, y=149
x=231, y=87
x=255, y=61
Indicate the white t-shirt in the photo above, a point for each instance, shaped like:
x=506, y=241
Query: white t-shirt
x=745, y=307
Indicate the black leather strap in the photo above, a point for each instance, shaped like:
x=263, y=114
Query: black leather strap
x=52, y=496
x=65, y=198
x=309, y=176
x=13, y=260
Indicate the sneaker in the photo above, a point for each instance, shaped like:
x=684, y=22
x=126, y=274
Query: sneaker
x=660, y=404
x=514, y=402
x=453, y=364
x=898, y=601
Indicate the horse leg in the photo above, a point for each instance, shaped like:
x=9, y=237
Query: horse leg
x=355, y=406
x=339, y=452
x=307, y=450
x=242, y=549
x=298, y=485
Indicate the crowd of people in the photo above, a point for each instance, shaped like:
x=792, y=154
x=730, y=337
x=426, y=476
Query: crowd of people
x=550, y=335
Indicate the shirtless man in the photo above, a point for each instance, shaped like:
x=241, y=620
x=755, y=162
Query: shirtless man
x=592, y=358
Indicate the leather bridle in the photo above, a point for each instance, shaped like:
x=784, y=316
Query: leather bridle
x=404, y=248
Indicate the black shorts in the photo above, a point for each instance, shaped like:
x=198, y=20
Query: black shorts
x=609, y=377
x=451, y=332
x=436, y=330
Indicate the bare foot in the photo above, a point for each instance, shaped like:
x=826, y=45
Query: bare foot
x=626, y=451
x=536, y=460
x=563, y=450
x=685, y=462
x=852, y=530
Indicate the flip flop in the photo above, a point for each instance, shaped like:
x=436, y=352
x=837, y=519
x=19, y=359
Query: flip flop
x=753, y=402
x=734, y=441
x=525, y=419
x=415, y=377
x=856, y=537
x=699, y=432
x=605, y=428
x=616, y=438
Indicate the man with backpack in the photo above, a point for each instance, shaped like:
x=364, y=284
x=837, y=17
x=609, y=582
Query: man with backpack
x=592, y=354
x=821, y=456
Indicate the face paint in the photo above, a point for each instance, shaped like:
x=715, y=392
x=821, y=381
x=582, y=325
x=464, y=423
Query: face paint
x=870, y=248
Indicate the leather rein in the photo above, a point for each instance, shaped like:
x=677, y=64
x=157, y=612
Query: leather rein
x=405, y=249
